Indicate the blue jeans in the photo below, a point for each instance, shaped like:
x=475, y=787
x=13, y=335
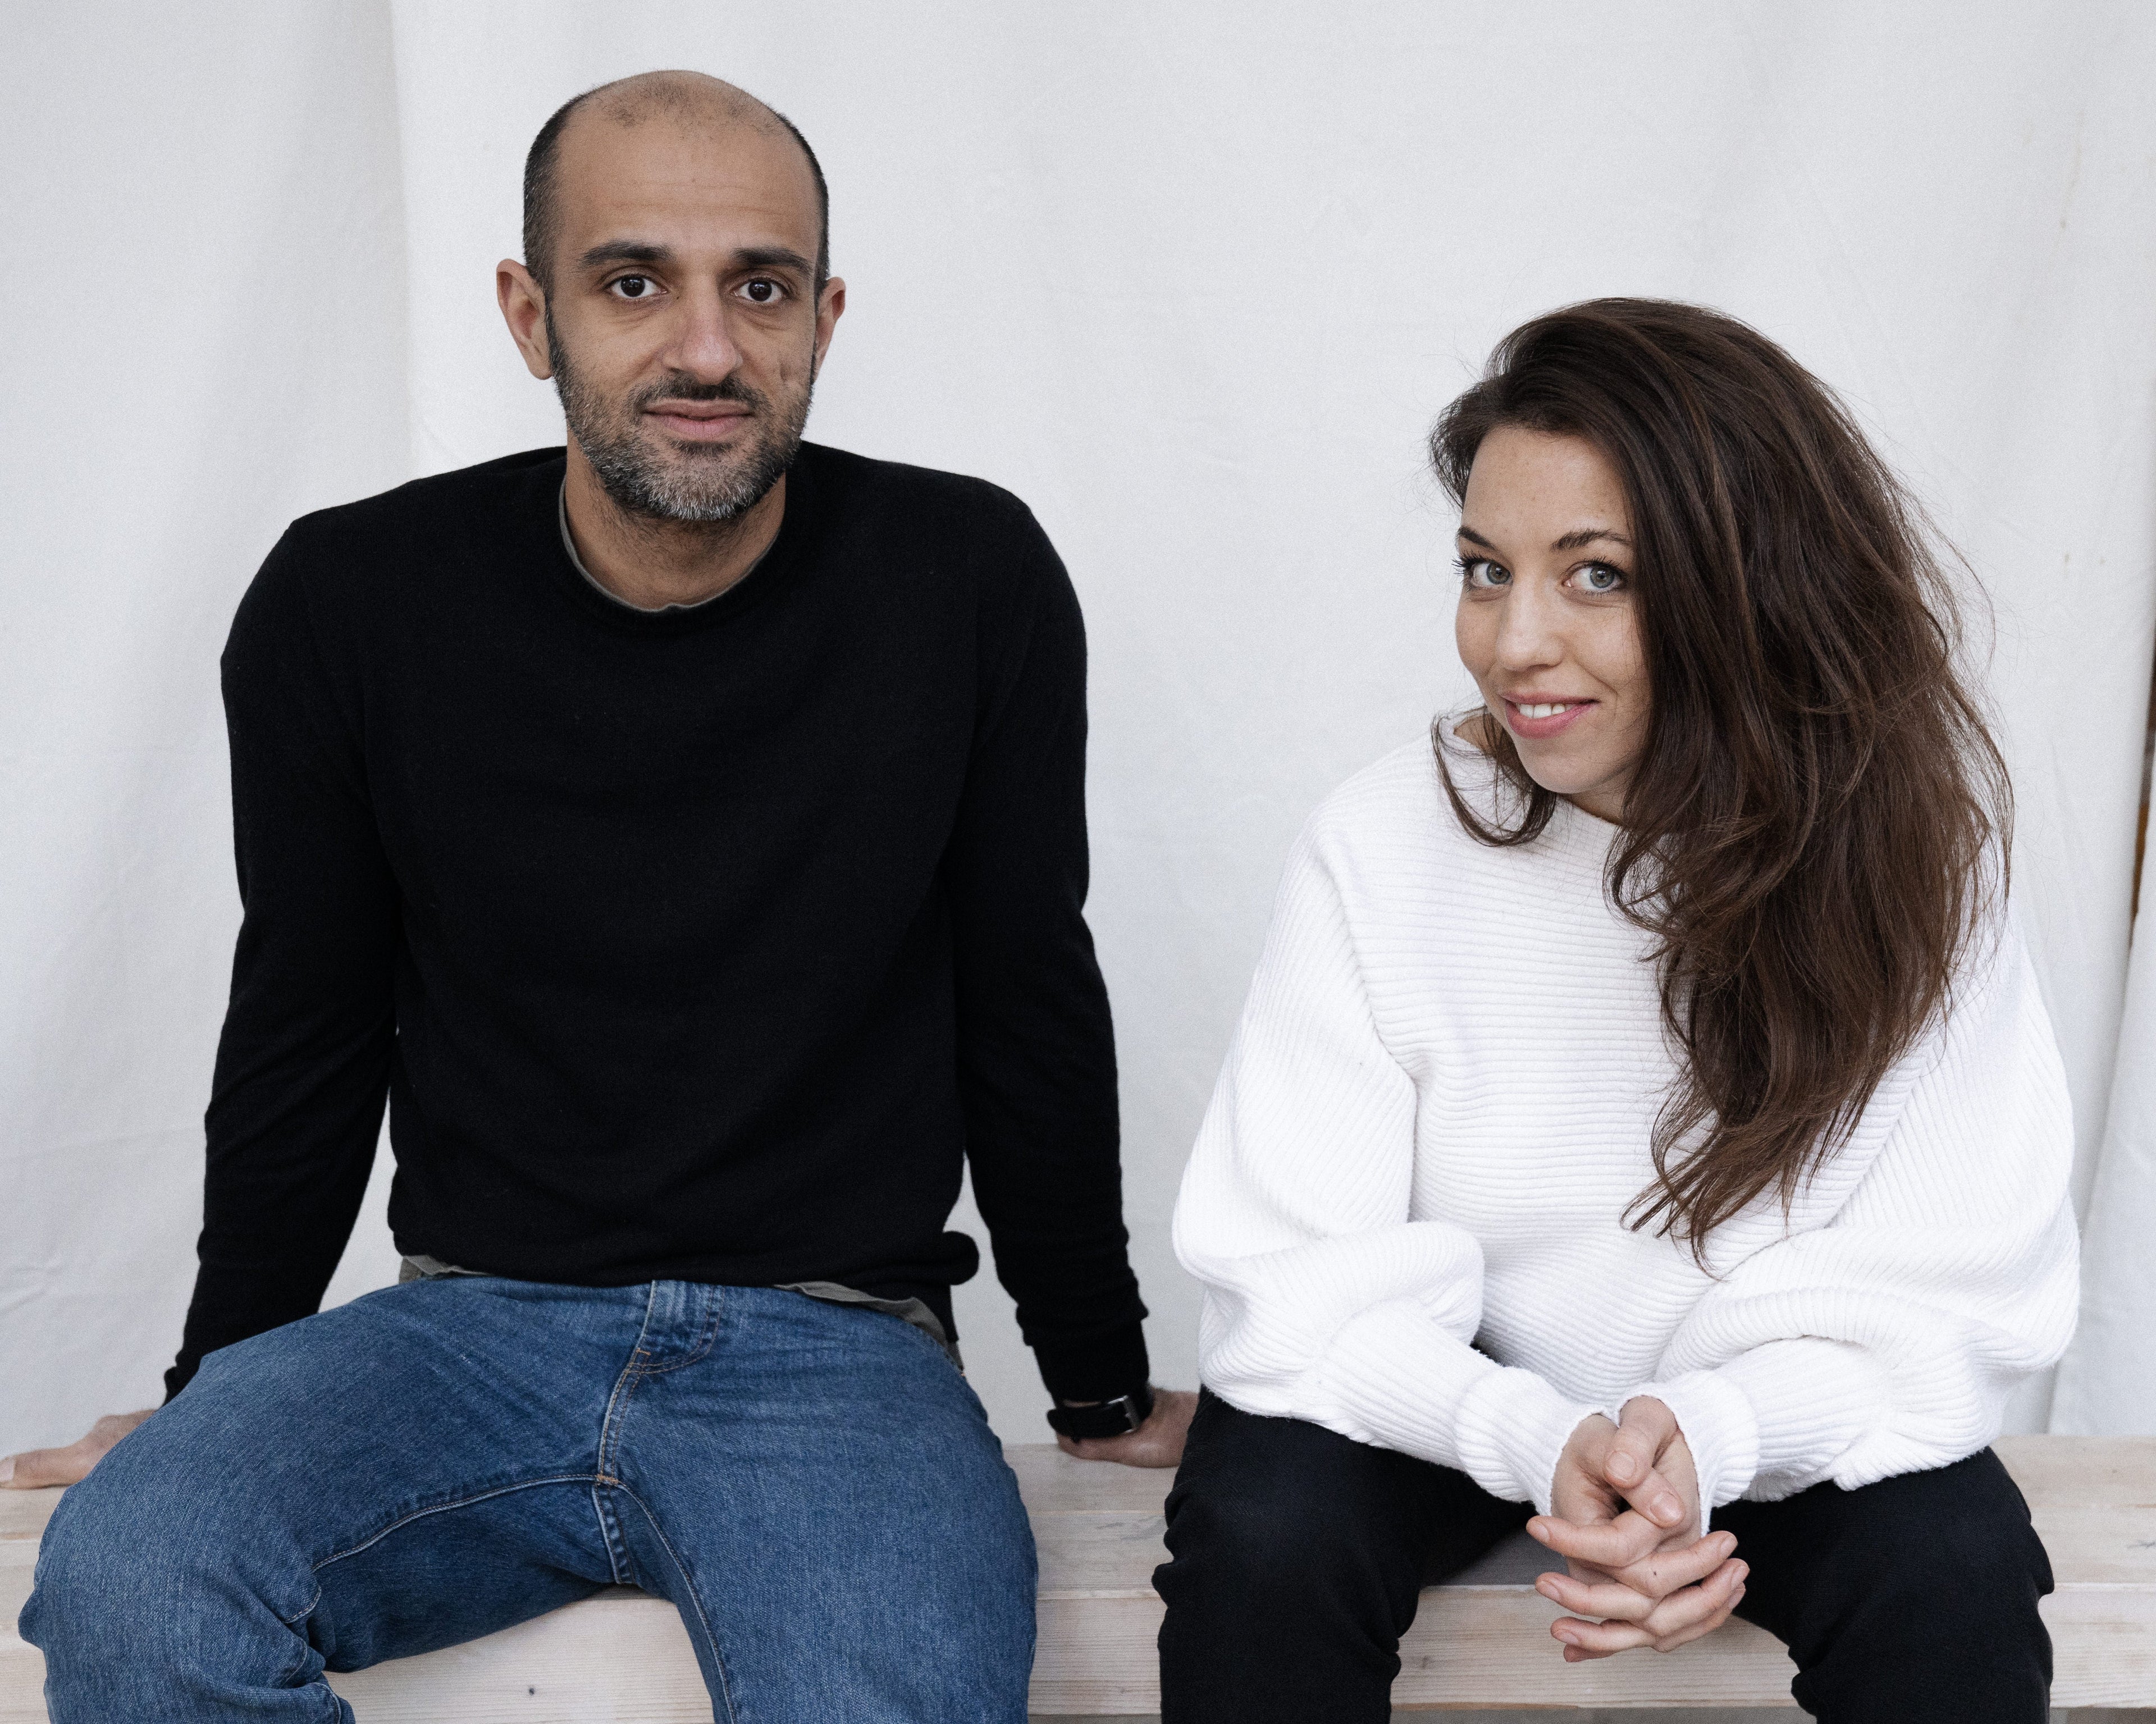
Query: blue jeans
x=814, y=1487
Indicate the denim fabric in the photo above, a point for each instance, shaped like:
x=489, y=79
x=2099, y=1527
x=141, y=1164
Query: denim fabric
x=814, y=1486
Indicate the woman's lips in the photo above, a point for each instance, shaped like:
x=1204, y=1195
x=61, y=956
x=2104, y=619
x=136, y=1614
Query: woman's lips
x=1555, y=717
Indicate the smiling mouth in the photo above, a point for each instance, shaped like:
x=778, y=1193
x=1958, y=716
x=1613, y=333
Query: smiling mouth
x=1543, y=720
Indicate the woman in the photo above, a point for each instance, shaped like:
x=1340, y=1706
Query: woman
x=1644, y=1110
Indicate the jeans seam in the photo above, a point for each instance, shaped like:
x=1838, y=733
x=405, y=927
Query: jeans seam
x=438, y=1508
x=617, y=1406
x=338, y=1711
x=302, y=1646
x=295, y=1619
x=688, y=1587
x=702, y=1348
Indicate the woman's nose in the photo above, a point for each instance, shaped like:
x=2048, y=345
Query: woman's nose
x=1527, y=635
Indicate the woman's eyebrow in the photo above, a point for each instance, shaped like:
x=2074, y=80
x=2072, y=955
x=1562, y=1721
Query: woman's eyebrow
x=1577, y=540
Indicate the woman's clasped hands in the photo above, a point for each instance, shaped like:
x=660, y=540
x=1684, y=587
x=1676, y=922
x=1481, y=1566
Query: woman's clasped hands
x=1625, y=1516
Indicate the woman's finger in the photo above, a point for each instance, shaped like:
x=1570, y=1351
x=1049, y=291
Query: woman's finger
x=1707, y=1602
x=1616, y=1544
x=1670, y=1643
x=1647, y=1426
x=1607, y=1600
x=1597, y=1639
x=1652, y=1495
x=1684, y=1617
x=1662, y=1572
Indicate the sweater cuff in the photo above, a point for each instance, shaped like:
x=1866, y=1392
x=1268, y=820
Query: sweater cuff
x=1394, y=1377
x=1813, y=1398
x=1721, y=1428
x=1098, y=1368
x=1513, y=1426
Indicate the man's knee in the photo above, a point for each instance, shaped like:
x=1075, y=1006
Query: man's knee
x=146, y=1550
x=108, y=1571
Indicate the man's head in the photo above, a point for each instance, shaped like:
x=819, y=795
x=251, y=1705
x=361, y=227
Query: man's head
x=675, y=286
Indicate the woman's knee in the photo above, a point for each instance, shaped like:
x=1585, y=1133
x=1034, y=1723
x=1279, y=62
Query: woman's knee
x=1913, y=1599
x=1283, y=1510
x=1954, y=1540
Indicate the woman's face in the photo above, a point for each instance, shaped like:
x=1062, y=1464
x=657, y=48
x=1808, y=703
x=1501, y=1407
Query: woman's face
x=1546, y=624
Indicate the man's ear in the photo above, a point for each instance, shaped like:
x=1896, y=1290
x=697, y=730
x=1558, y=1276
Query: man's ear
x=523, y=304
x=830, y=307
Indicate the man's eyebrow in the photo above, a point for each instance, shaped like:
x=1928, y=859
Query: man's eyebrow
x=772, y=256
x=610, y=252
x=624, y=251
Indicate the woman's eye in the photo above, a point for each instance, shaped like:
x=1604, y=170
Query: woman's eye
x=632, y=287
x=763, y=293
x=1481, y=574
x=1599, y=578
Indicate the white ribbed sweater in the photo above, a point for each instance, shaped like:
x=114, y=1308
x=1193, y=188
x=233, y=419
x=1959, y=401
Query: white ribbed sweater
x=1405, y=1201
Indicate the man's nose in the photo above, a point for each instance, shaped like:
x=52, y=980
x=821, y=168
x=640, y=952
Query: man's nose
x=703, y=340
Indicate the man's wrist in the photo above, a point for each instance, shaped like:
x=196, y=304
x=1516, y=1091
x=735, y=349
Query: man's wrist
x=1097, y=1367
x=1117, y=1417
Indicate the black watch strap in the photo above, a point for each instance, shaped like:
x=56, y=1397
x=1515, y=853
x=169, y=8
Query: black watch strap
x=1118, y=1418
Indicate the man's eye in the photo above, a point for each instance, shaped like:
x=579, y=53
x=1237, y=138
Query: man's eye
x=632, y=287
x=761, y=292
x=1481, y=574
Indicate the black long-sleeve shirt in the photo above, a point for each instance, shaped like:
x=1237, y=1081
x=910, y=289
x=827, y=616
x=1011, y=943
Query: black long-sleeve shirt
x=705, y=943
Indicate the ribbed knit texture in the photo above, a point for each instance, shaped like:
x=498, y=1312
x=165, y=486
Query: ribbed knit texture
x=1406, y=1202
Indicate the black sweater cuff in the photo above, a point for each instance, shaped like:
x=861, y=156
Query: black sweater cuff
x=1098, y=1368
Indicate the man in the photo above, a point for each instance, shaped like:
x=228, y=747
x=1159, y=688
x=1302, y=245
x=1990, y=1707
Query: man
x=685, y=832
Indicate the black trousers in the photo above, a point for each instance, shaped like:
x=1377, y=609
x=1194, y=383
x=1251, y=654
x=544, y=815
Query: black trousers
x=1295, y=1556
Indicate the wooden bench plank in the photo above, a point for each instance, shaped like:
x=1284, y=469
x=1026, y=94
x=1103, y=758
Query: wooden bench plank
x=1482, y=1641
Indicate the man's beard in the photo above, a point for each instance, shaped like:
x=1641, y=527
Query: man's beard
x=692, y=483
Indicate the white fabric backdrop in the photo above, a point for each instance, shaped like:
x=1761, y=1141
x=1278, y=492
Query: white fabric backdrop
x=1191, y=279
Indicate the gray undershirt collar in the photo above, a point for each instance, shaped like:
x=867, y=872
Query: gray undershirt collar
x=576, y=562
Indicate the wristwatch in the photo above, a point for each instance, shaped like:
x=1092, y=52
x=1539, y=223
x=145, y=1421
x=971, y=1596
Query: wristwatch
x=1118, y=1418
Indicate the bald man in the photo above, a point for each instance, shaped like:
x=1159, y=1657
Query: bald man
x=683, y=831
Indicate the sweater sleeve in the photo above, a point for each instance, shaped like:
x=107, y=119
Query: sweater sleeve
x=1036, y=1046
x=1887, y=1340
x=303, y=1064
x=1323, y=1300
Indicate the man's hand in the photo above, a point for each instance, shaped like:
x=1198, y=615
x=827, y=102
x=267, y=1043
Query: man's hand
x=1158, y=1442
x=1626, y=1505
x=35, y=1469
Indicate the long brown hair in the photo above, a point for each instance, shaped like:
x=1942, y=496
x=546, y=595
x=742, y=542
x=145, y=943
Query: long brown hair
x=1819, y=817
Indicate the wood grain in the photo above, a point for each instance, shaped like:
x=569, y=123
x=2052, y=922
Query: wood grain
x=623, y=1656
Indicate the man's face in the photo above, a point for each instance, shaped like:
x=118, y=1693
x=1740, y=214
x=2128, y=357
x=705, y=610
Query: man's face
x=683, y=327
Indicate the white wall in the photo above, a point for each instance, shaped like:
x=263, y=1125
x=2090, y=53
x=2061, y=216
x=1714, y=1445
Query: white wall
x=1191, y=279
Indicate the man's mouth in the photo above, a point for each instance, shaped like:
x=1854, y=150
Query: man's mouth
x=699, y=421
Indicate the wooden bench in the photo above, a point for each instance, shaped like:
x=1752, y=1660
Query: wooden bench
x=1483, y=1640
